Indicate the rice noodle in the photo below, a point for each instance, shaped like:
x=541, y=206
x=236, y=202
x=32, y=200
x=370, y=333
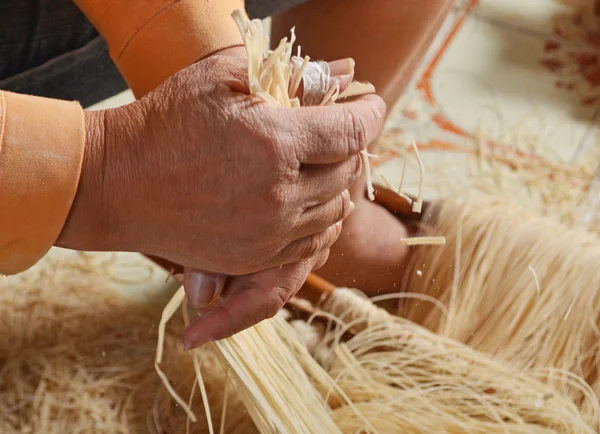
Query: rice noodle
x=550, y=322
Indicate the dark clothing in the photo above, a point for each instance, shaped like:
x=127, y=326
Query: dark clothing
x=49, y=48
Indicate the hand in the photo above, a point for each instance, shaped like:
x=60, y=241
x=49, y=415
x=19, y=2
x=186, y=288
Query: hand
x=245, y=300
x=230, y=304
x=206, y=176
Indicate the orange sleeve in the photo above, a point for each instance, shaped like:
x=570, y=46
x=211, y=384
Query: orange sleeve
x=42, y=141
x=41, y=152
x=150, y=40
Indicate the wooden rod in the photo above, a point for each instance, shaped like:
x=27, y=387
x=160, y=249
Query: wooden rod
x=320, y=284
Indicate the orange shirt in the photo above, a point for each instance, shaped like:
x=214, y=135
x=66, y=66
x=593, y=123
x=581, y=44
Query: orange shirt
x=42, y=141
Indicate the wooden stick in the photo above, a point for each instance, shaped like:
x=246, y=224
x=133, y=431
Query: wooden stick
x=320, y=284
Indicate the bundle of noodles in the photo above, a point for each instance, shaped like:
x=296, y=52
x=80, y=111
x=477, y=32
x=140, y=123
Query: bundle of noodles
x=518, y=286
x=404, y=378
x=77, y=356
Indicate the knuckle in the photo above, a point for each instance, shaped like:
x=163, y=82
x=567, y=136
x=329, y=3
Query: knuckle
x=333, y=234
x=339, y=207
x=322, y=259
x=231, y=323
x=277, y=202
x=336, y=233
x=356, y=168
x=312, y=138
x=275, y=302
x=312, y=246
x=281, y=141
x=357, y=136
x=223, y=68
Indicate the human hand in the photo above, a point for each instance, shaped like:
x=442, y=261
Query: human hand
x=228, y=305
x=203, y=175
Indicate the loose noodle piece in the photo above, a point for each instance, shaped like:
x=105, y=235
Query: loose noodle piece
x=224, y=411
x=536, y=280
x=403, y=175
x=370, y=189
x=167, y=314
x=418, y=205
x=188, y=421
x=424, y=241
x=197, y=369
x=389, y=184
x=356, y=89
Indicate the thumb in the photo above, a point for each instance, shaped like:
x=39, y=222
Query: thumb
x=202, y=287
x=342, y=71
x=248, y=301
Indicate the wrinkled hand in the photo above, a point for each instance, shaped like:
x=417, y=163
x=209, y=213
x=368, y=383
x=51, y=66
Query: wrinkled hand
x=203, y=175
x=231, y=304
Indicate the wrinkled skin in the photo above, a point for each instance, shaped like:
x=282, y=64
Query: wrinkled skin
x=203, y=175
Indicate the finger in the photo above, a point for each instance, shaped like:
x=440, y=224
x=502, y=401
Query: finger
x=202, y=287
x=341, y=72
x=334, y=133
x=321, y=260
x=309, y=247
x=323, y=182
x=252, y=299
x=318, y=219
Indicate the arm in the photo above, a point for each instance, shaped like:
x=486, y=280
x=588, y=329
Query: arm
x=150, y=40
x=42, y=141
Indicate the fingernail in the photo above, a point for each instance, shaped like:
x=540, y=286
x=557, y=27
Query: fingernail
x=191, y=345
x=341, y=67
x=202, y=288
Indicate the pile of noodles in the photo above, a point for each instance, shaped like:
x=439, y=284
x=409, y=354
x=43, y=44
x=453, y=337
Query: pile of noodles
x=77, y=355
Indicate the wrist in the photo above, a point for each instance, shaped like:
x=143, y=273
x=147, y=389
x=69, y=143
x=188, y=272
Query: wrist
x=85, y=228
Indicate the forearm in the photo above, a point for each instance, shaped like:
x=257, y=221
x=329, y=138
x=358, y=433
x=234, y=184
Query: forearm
x=150, y=40
x=42, y=144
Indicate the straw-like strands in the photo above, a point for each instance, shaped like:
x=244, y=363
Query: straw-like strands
x=77, y=356
x=520, y=287
x=270, y=396
x=404, y=378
